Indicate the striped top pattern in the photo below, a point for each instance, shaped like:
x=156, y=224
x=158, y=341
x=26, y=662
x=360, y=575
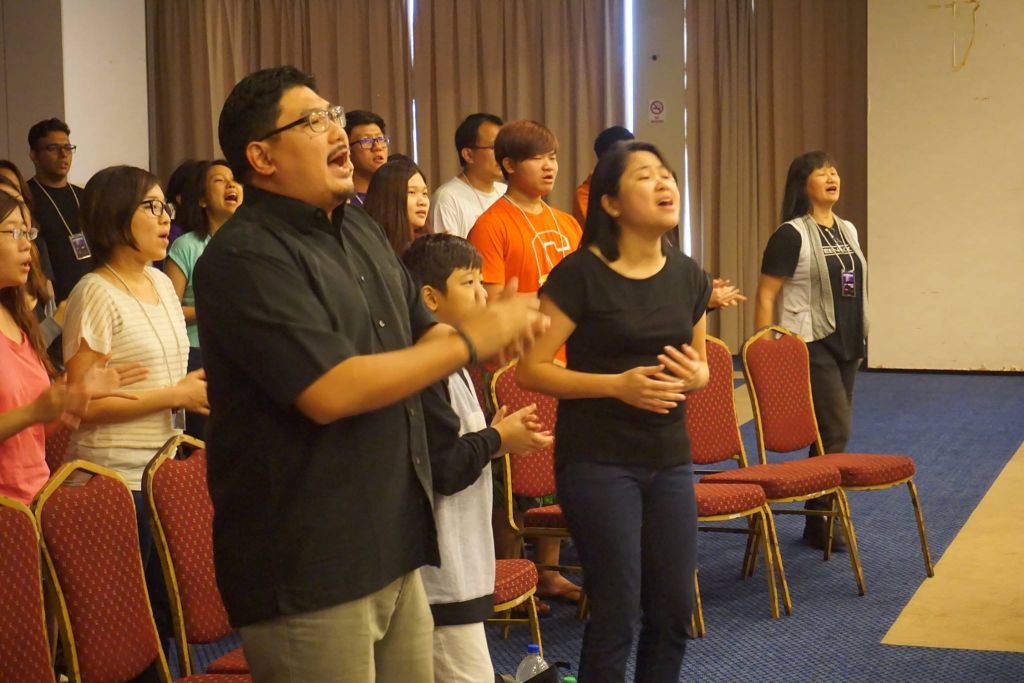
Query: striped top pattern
x=112, y=321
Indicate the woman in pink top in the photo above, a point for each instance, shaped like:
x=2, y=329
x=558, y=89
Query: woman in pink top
x=28, y=400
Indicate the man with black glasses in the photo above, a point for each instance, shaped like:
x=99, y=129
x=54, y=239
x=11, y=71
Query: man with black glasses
x=316, y=345
x=56, y=204
x=370, y=144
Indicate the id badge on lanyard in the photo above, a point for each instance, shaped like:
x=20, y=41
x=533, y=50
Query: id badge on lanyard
x=80, y=246
x=848, y=280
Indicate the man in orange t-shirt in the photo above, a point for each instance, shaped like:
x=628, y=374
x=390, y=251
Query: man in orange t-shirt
x=522, y=236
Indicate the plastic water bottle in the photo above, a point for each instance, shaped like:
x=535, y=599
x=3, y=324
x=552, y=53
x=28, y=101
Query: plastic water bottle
x=532, y=664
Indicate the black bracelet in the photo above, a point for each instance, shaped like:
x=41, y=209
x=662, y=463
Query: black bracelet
x=469, y=345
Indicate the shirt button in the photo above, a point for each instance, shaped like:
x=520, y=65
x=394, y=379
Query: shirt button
x=380, y=323
x=412, y=412
x=416, y=460
x=362, y=278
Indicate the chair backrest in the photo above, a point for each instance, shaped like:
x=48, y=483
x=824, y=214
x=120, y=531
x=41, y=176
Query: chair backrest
x=533, y=474
x=57, y=447
x=711, y=412
x=91, y=545
x=24, y=647
x=181, y=513
x=779, y=381
x=481, y=383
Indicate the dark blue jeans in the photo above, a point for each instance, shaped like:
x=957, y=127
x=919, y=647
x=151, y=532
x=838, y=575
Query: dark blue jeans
x=635, y=529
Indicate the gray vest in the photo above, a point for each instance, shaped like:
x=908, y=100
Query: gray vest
x=806, y=306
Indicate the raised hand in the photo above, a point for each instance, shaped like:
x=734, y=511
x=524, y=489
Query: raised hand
x=521, y=432
x=101, y=381
x=723, y=294
x=507, y=326
x=649, y=388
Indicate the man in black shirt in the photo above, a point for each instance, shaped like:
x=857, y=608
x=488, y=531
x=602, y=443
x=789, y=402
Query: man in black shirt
x=316, y=345
x=56, y=204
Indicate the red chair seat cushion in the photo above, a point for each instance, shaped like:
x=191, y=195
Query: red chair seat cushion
x=870, y=469
x=782, y=480
x=513, y=578
x=549, y=517
x=727, y=499
x=216, y=678
x=231, y=663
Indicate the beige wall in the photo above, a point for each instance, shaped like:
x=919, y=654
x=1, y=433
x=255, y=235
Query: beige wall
x=105, y=91
x=31, y=71
x=946, y=184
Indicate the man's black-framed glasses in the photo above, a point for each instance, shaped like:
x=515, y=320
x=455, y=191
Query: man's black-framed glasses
x=318, y=121
x=158, y=208
x=57, y=149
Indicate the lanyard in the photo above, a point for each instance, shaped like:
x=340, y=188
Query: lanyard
x=57, y=208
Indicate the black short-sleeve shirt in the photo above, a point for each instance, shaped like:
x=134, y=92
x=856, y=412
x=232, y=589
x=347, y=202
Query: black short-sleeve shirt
x=52, y=208
x=307, y=516
x=780, y=259
x=622, y=323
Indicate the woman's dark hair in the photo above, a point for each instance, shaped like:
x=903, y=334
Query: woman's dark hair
x=191, y=215
x=251, y=111
x=433, y=258
x=23, y=187
x=14, y=300
x=794, y=197
x=387, y=203
x=108, y=205
x=601, y=229
x=180, y=178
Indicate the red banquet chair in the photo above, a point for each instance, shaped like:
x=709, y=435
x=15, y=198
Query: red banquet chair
x=181, y=515
x=24, y=646
x=779, y=380
x=515, y=582
x=789, y=482
x=91, y=547
x=715, y=439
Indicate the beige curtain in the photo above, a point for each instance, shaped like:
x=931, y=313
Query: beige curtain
x=767, y=81
x=557, y=62
x=198, y=50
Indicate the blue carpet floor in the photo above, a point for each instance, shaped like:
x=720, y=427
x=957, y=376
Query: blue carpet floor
x=961, y=430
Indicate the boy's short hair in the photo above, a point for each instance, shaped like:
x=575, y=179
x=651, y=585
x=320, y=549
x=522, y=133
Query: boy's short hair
x=361, y=117
x=433, y=258
x=520, y=140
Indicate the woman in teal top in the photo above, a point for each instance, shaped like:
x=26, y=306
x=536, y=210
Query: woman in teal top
x=208, y=199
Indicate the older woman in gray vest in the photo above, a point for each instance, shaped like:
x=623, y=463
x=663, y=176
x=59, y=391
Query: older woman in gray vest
x=814, y=269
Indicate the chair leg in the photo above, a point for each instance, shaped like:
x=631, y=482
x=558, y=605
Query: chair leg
x=851, y=539
x=830, y=527
x=929, y=570
x=769, y=564
x=531, y=611
x=787, y=602
x=697, y=617
x=750, y=555
x=507, y=614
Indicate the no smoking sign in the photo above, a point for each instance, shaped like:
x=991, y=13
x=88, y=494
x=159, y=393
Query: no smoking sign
x=656, y=110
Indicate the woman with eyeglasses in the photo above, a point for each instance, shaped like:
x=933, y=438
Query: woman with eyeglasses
x=30, y=401
x=399, y=201
x=129, y=310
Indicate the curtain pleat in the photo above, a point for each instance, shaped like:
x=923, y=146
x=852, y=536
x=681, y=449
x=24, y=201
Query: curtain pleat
x=767, y=81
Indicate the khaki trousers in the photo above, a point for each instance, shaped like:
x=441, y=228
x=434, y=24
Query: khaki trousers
x=385, y=637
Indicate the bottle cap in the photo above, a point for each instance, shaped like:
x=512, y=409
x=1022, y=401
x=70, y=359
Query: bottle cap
x=533, y=648
x=569, y=679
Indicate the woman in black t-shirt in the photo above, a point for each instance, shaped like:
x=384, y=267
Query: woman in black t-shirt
x=630, y=312
x=814, y=265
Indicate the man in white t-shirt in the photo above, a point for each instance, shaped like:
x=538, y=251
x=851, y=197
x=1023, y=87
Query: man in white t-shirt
x=460, y=201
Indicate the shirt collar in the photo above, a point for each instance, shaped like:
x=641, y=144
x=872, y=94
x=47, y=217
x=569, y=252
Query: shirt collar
x=295, y=211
